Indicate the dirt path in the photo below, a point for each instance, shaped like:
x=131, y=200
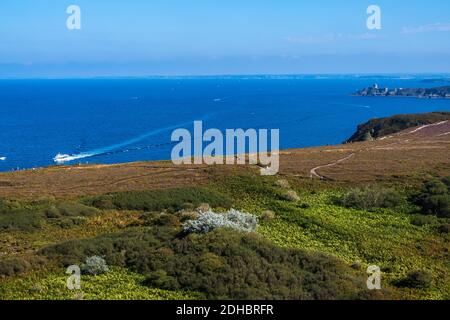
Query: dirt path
x=435, y=129
x=313, y=173
x=425, y=126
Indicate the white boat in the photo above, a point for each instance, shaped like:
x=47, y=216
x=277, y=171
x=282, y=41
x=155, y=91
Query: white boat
x=61, y=158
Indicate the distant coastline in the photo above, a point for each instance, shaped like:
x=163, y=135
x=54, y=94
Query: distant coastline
x=423, y=93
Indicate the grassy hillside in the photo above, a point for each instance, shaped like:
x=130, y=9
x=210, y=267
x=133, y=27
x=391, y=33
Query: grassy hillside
x=388, y=205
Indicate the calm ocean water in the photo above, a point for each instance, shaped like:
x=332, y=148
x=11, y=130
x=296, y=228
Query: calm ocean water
x=123, y=120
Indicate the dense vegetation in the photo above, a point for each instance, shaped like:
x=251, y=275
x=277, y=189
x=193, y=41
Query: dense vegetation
x=369, y=198
x=15, y=215
x=316, y=246
x=167, y=199
x=117, y=284
x=221, y=264
x=434, y=198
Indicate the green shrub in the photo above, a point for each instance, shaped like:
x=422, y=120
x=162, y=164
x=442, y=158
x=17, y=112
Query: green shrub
x=19, y=265
x=162, y=219
x=160, y=279
x=31, y=216
x=13, y=266
x=434, y=187
x=420, y=220
x=72, y=209
x=52, y=212
x=438, y=205
x=434, y=199
x=417, y=280
x=444, y=228
x=290, y=195
x=22, y=220
x=446, y=181
x=165, y=219
x=148, y=218
x=157, y=200
x=370, y=198
x=70, y=222
x=7, y=205
x=268, y=215
x=103, y=203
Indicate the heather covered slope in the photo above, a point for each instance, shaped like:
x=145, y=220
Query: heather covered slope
x=378, y=128
x=405, y=157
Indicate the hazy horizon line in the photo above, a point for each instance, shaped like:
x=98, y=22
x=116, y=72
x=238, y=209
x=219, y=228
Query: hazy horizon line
x=231, y=75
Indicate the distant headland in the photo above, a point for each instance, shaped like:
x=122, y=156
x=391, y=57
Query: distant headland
x=426, y=93
x=382, y=127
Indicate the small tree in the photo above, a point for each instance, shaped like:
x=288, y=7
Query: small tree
x=94, y=265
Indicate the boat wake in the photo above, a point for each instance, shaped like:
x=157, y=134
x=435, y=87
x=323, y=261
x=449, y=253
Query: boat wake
x=2, y=158
x=61, y=158
x=352, y=105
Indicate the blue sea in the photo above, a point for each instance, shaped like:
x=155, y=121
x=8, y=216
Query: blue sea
x=124, y=120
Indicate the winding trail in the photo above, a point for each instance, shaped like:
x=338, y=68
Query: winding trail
x=426, y=126
x=438, y=129
x=313, y=173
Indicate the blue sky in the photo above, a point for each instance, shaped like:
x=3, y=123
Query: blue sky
x=195, y=37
